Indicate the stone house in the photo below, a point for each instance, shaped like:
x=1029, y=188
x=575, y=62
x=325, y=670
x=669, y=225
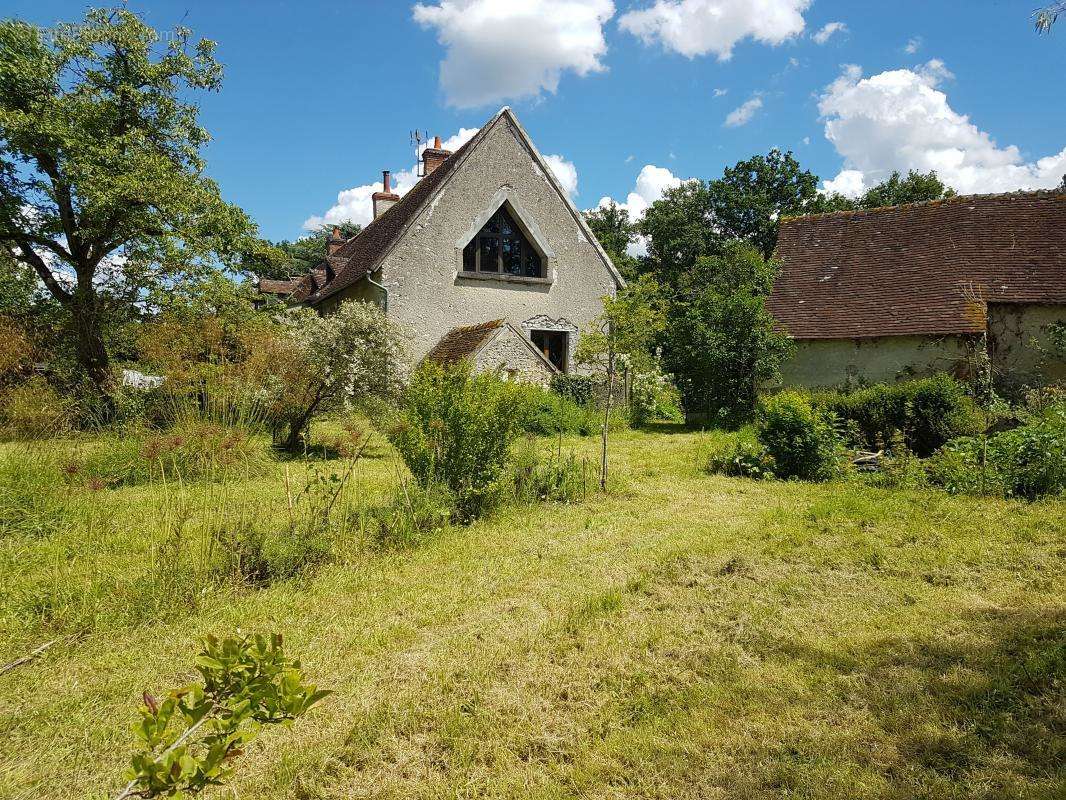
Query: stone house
x=889, y=293
x=484, y=258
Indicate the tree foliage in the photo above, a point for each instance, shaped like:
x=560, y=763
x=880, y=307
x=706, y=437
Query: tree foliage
x=751, y=197
x=102, y=186
x=299, y=256
x=896, y=190
x=720, y=342
x=1044, y=18
x=615, y=232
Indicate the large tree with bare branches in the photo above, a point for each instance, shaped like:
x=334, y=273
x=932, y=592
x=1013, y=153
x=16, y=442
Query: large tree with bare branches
x=102, y=191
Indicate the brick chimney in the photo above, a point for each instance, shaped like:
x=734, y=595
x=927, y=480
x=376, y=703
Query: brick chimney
x=433, y=157
x=333, y=244
x=385, y=199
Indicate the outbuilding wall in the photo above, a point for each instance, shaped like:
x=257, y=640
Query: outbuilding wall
x=821, y=363
x=1017, y=337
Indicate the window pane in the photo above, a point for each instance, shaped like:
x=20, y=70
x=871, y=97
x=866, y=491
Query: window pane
x=532, y=264
x=507, y=226
x=470, y=256
x=493, y=225
x=490, y=249
x=512, y=256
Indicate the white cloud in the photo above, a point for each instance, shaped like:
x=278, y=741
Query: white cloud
x=901, y=120
x=499, y=49
x=564, y=171
x=742, y=114
x=849, y=182
x=651, y=183
x=806, y=139
x=913, y=45
x=825, y=33
x=697, y=27
x=630, y=157
x=356, y=204
x=721, y=92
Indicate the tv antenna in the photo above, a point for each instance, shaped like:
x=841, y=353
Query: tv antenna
x=417, y=139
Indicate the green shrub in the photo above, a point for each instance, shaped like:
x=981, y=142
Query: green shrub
x=928, y=412
x=1027, y=462
x=456, y=428
x=549, y=413
x=800, y=439
x=581, y=389
x=34, y=410
x=742, y=460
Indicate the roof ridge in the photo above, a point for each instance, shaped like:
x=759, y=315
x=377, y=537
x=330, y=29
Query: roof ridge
x=959, y=198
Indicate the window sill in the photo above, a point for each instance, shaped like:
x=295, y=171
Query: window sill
x=502, y=277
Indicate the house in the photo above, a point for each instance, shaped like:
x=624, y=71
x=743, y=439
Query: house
x=484, y=258
x=888, y=293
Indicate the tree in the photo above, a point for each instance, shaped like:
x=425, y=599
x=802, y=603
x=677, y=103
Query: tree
x=720, y=342
x=917, y=187
x=299, y=256
x=350, y=357
x=102, y=191
x=751, y=197
x=680, y=229
x=1062, y=186
x=615, y=233
x=626, y=330
x=1046, y=17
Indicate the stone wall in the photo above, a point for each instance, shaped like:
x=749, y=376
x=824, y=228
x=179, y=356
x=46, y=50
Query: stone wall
x=1012, y=331
x=507, y=353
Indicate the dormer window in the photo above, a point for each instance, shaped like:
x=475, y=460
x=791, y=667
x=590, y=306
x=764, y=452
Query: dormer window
x=501, y=248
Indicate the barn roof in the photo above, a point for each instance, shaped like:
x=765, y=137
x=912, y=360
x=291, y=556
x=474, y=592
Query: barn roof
x=919, y=269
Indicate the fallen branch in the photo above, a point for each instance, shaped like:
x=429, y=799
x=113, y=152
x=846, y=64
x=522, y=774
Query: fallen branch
x=18, y=662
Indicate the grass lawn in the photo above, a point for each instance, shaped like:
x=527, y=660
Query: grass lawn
x=685, y=636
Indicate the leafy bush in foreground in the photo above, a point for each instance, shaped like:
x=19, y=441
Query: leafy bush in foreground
x=190, y=739
x=456, y=428
x=799, y=438
x=927, y=412
x=548, y=413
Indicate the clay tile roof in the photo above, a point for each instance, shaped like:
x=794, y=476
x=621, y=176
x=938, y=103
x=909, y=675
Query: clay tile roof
x=361, y=252
x=463, y=342
x=920, y=269
x=279, y=287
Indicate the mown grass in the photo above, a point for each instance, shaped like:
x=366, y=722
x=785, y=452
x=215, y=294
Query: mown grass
x=685, y=635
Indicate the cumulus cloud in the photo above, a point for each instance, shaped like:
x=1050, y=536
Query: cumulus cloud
x=742, y=114
x=825, y=33
x=721, y=92
x=901, y=120
x=697, y=27
x=356, y=204
x=651, y=184
x=913, y=45
x=564, y=171
x=499, y=49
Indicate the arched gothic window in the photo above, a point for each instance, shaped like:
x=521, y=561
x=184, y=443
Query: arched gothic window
x=501, y=248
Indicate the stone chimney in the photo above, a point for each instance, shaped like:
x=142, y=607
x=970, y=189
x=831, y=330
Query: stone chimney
x=433, y=157
x=333, y=244
x=385, y=199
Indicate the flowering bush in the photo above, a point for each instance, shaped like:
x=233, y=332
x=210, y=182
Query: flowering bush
x=352, y=356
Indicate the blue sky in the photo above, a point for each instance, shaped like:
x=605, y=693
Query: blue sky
x=629, y=97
